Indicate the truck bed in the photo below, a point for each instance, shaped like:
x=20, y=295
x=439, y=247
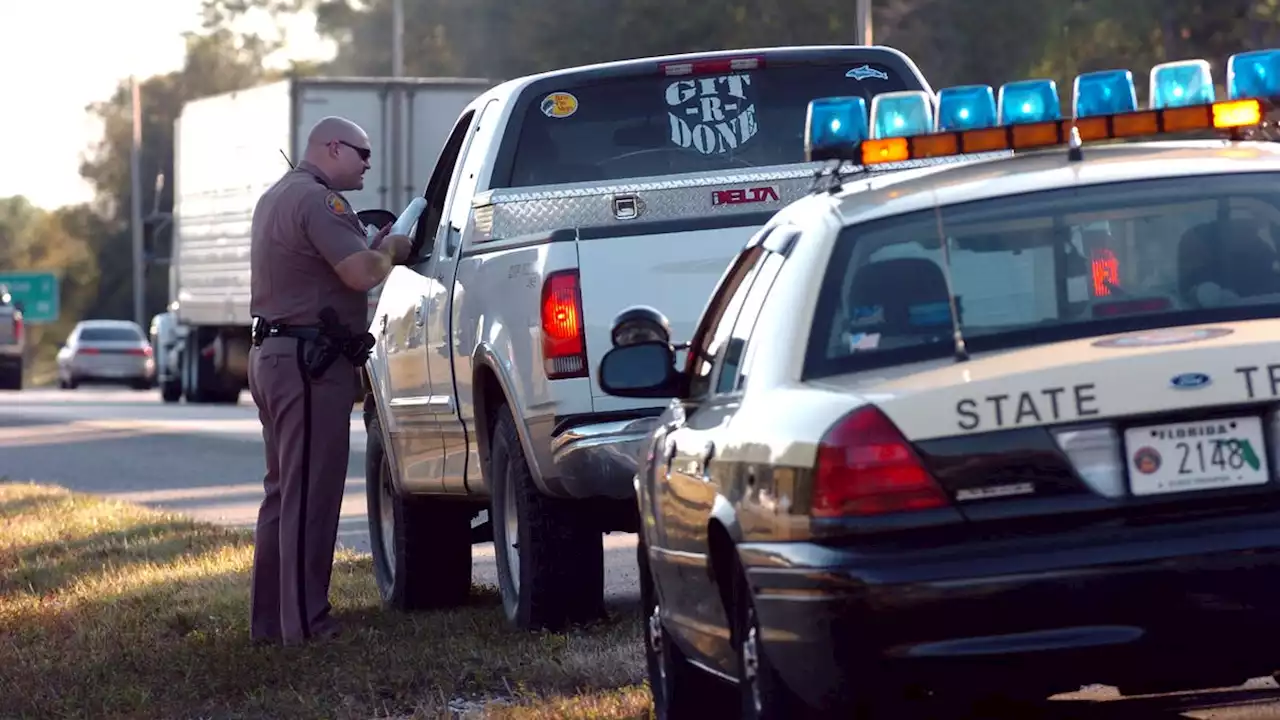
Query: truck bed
x=658, y=241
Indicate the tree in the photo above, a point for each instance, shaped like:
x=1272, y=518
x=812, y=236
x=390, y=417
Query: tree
x=32, y=239
x=217, y=61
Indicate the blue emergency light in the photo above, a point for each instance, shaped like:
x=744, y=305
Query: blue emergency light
x=833, y=123
x=1028, y=101
x=965, y=107
x=901, y=114
x=1181, y=83
x=903, y=127
x=1105, y=92
x=1253, y=74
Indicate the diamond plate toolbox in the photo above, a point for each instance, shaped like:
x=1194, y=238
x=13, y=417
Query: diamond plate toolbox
x=516, y=212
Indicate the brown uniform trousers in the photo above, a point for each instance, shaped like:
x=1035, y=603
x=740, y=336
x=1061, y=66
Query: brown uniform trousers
x=306, y=428
x=301, y=231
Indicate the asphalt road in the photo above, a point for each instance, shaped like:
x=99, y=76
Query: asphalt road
x=205, y=461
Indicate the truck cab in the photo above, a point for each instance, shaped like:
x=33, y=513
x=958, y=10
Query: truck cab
x=559, y=200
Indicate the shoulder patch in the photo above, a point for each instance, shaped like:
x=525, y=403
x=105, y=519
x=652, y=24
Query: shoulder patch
x=335, y=204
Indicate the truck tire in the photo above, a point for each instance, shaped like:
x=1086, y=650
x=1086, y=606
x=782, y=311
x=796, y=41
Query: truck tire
x=11, y=379
x=421, y=546
x=550, y=560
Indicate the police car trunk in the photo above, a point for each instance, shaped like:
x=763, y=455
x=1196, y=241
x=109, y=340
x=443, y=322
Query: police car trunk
x=1121, y=319
x=660, y=171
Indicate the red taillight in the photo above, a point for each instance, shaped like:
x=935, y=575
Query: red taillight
x=142, y=352
x=715, y=65
x=564, y=349
x=866, y=467
x=17, y=327
x=1106, y=272
x=87, y=351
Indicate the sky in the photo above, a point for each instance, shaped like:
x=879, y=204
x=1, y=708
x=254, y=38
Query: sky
x=61, y=55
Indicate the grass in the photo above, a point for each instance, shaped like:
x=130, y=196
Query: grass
x=112, y=610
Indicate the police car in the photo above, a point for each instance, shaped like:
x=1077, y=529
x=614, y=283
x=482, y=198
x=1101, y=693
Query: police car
x=1001, y=423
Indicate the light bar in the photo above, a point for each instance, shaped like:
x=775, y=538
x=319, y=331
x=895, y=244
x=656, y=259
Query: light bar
x=832, y=124
x=901, y=114
x=965, y=107
x=1028, y=101
x=1224, y=115
x=1181, y=83
x=1105, y=92
x=902, y=126
x=1253, y=74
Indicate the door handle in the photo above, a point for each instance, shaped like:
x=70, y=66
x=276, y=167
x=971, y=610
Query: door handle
x=420, y=312
x=708, y=452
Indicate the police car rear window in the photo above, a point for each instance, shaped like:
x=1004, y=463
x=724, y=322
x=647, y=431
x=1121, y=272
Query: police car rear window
x=661, y=125
x=1049, y=266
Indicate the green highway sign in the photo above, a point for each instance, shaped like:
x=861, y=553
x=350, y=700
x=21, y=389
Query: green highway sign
x=38, y=292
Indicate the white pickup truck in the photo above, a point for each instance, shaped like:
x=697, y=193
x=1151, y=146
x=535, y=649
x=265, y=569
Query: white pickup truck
x=559, y=200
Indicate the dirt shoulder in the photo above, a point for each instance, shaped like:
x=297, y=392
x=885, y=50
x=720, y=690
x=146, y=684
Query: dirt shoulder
x=115, y=610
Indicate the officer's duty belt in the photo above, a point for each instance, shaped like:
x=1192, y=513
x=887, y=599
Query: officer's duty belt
x=270, y=330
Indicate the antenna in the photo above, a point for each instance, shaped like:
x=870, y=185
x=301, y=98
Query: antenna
x=962, y=354
x=1075, y=146
x=286, y=159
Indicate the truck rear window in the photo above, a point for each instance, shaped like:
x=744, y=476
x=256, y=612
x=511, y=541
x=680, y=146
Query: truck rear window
x=662, y=125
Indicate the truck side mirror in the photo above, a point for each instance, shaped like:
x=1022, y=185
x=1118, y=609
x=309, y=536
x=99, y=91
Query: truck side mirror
x=378, y=218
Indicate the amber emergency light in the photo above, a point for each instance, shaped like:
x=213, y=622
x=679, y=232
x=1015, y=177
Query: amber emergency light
x=1226, y=115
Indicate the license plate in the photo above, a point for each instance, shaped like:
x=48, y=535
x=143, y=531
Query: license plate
x=1202, y=455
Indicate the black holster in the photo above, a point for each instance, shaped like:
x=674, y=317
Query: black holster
x=335, y=340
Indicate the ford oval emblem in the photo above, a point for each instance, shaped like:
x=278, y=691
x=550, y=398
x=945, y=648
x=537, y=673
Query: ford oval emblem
x=1188, y=381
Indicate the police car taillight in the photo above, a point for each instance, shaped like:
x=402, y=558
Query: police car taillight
x=564, y=344
x=866, y=467
x=712, y=66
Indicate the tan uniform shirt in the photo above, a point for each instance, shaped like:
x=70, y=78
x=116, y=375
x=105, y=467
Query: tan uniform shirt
x=301, y=230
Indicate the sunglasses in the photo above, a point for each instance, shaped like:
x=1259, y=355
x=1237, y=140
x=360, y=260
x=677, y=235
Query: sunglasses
x=364, y=153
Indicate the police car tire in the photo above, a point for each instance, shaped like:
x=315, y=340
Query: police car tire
x=680, y=690
x=778, y=700
x=561, y=554
x=432, y=541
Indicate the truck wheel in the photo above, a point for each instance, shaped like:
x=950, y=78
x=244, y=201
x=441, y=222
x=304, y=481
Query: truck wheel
x=550, y=561
x=421, y=546
x=11, y=379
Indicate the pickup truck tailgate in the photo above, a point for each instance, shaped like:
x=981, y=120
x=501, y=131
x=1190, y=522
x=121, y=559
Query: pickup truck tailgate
x=662, y=243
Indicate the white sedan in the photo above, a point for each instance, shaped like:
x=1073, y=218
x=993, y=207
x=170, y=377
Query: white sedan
x=992, y=424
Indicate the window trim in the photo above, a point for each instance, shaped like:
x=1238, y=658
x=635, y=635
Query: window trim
x=718, y=370
x=733, y=278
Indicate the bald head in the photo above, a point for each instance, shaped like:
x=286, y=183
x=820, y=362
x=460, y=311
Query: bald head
x=340, y=148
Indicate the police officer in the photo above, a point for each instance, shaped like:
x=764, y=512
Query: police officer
x=309, y=253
